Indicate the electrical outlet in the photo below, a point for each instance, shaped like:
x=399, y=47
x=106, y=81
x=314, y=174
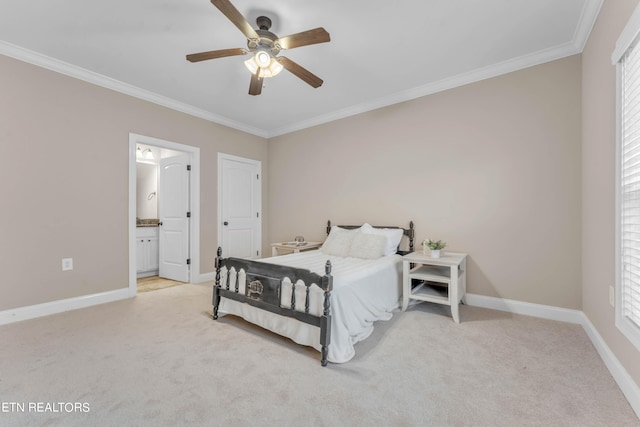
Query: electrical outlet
x=612, y=295
x=67, y=264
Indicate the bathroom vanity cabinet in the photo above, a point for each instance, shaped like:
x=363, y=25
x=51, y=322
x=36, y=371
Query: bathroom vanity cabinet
x=147, y=254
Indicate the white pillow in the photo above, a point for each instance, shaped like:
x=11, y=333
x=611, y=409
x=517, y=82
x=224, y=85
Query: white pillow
x=367, y=246
x=393, y=236
x=338, y=242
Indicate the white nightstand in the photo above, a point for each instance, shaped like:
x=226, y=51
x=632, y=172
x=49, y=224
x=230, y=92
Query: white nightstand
x=277, y=248
x=447, y=273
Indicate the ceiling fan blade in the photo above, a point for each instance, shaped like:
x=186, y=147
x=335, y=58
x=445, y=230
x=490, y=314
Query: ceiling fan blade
x=213, y=54
x=236, y=17
x=300, y=72
x=255, y=87
x=305, y=38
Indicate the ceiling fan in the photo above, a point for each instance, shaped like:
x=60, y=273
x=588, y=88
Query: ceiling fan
x=264, y=47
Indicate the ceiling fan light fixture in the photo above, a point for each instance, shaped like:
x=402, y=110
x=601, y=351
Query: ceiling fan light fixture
x=272, y=70
x=264, y=63
x=264, y=47
x=251, y=65
x=262, y=58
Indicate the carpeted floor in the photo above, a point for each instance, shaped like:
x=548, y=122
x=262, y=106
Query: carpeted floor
x=160, y=360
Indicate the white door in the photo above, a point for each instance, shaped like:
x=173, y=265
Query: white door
x=239, y=201
x=173, y=201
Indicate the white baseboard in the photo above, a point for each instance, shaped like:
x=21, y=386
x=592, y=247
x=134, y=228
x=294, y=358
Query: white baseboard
x=54, y=307
x=629, y=388
x=60, y=306
x=526, y=308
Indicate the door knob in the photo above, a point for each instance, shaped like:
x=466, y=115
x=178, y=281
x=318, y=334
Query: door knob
x=225, y=223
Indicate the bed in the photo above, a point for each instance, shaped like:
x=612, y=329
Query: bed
x=327, y=299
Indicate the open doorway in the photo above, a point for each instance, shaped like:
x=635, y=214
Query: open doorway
x=174, y=253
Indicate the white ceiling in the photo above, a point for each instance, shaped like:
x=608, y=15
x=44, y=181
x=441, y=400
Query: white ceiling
x=381, y=52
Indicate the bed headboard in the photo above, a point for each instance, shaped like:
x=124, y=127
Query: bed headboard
x=409, y=232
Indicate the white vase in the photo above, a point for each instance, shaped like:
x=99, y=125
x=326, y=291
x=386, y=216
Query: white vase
x=435, y=253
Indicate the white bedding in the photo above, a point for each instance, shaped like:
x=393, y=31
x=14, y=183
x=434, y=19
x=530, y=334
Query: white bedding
x=364, y=291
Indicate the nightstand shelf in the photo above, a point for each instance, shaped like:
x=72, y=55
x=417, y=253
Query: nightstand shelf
x=430, y=293
x=443, y=280
x=431, y=273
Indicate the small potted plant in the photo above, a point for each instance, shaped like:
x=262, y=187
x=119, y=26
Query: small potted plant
x=434, y=246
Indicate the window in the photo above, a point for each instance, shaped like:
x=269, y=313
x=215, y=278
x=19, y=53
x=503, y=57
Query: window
x=627, y=60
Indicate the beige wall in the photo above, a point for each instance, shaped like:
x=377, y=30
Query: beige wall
x=492, y=168
x=598, y=178
x=64, y=178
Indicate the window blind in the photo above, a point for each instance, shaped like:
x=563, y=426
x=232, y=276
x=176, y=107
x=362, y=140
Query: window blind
x=630, y=185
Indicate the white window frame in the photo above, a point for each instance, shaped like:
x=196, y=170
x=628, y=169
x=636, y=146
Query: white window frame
x=628, y=39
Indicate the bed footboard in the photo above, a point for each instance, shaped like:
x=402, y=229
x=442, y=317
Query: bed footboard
x=263, y=287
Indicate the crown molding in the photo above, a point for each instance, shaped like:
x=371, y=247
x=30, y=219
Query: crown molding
x=479, y=74
x=83, y=74
x=590, y=13
x=587, y=20
x=627, y=37
x=588, y=17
